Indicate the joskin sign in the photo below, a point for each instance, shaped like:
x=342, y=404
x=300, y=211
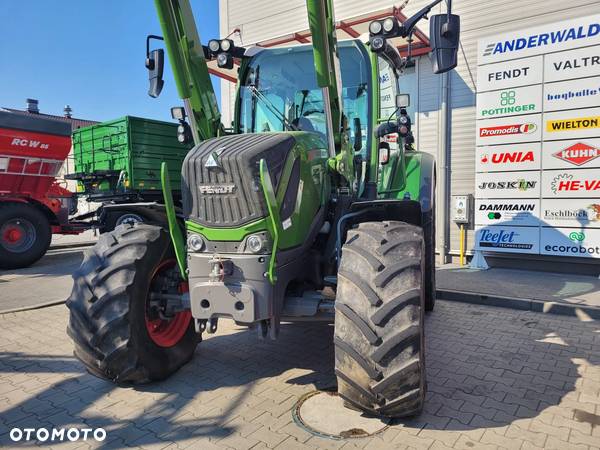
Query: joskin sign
x=537, y=184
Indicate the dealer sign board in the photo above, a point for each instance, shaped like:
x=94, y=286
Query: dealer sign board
x=538, y=140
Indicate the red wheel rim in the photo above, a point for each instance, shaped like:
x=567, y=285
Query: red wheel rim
x=167, y=333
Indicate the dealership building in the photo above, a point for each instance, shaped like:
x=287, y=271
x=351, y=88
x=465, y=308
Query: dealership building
x=515, y=128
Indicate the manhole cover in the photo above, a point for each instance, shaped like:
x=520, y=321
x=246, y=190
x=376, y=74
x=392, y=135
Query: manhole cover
x=323, y=413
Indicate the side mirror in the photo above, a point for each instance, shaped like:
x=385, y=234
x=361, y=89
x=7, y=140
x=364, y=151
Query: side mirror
x=155, y=63
x=444, y=34
x=357, y=134
x=402, y=100
x=384, y=153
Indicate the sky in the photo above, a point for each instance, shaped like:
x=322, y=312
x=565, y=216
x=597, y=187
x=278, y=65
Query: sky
x=88, y=54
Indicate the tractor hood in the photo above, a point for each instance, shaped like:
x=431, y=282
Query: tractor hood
x=221, y=181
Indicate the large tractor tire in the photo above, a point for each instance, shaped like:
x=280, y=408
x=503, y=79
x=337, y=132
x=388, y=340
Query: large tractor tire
x=379, y=336
x=25, y=235
x=117, y=333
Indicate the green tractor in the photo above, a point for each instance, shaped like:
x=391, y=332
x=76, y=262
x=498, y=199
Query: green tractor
x=301, y=211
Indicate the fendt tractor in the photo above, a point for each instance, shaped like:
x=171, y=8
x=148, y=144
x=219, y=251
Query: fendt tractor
x=301, y=211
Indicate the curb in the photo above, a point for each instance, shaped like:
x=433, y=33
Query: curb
x=523, y=304
x=31, y=307
x=74, y=245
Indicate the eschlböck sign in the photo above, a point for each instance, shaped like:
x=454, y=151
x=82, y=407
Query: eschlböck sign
x=559, y=36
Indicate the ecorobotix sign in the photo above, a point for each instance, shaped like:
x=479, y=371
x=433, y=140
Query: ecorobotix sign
x=570, y=242
x=565, y=35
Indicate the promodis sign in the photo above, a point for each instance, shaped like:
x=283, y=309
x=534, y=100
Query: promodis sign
x=507, y=130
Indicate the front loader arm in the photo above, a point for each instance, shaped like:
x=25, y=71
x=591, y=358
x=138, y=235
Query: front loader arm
x=321, y=20
x=322, y=27
x=189, y=67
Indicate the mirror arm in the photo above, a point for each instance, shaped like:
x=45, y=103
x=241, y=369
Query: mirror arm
x=148, y=38
x=410, y=23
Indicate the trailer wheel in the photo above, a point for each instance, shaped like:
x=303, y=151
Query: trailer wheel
x=379, y=338
x=112, y=220
x=118, y=329
x=25, y=235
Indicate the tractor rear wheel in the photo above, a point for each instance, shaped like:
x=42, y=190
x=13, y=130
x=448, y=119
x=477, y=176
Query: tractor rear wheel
x=118, y=332
x=25, y=235
x=379, y=336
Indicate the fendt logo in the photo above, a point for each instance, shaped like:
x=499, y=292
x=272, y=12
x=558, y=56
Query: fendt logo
x=566, y=183
x=216, y=188
x=508, y=106
x=506, y=130
x=542, y=39
x=572, y=124
x=507, y=157
x=578, y=154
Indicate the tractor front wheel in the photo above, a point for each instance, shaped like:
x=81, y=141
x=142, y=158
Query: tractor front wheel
x=117, y=325
x=379, y=340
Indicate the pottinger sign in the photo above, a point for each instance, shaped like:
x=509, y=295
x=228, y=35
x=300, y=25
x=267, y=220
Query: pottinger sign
x=537, y=186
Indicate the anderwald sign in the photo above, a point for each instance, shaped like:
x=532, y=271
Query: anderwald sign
x=537, y=185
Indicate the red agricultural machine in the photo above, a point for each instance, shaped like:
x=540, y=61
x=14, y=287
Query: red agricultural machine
x=33, y=204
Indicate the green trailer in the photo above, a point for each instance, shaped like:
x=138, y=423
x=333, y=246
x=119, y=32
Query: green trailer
x=117, y=163
x=120, y=159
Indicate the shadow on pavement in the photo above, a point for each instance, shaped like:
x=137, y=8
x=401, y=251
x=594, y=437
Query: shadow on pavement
x=486, y=368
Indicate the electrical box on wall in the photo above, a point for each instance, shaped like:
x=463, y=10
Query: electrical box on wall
x=461, y=208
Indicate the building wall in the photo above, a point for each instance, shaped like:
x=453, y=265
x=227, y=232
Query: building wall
x=265, y=19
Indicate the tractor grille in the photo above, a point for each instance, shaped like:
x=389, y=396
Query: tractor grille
x=229, y=194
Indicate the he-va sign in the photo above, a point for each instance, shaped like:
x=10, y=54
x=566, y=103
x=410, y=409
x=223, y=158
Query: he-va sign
x=566, y=35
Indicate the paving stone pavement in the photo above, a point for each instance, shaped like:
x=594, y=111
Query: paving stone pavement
x=497, y=378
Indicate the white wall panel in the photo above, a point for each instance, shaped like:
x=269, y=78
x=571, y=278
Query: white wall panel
x=265, y=19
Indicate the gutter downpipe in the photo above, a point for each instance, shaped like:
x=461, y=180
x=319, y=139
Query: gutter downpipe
x=444, y=180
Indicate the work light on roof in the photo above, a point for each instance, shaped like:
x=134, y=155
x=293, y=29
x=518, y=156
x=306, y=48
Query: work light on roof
x=375, y=27
x=226, y=45
x=377, y=43
x=214, y=45
x=389, y=24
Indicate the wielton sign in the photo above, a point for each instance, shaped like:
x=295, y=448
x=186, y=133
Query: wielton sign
x=537, y=185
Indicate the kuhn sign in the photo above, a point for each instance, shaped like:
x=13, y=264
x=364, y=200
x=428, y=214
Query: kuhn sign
x=571, y=154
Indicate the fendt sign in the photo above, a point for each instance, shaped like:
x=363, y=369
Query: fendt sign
x=538, y=140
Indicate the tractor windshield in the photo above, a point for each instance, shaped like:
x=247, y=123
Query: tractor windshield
x=279, y=91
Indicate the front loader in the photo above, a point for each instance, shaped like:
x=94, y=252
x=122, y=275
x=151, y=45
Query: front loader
x=302, y=211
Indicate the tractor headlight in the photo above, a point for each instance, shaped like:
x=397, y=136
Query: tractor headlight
x=214, y=45
x=375, y=27
x=377, y=43
x=255, y=243
x=388, y=24
x=181, y=129
x=195, y=242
